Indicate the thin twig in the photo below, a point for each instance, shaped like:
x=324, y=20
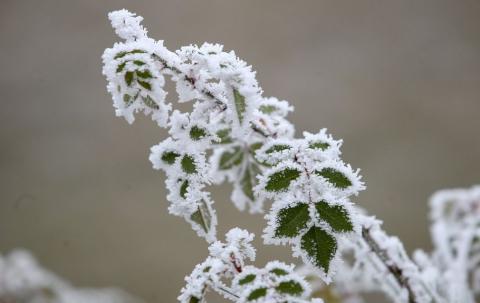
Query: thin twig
x=392, y=267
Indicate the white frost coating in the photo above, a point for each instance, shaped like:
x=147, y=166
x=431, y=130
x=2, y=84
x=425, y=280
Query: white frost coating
x=224, y=271
x=376, y=262
x=235, y=134
x=127, y=25
x=22, y=279
x=316, y=174
x=135, y=78
x=453, y=268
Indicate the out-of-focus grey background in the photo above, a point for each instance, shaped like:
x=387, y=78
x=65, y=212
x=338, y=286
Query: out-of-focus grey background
x=399, y=81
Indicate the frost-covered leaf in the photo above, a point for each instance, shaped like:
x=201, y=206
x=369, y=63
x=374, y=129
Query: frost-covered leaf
x=188, y=164
x=292, y=220
x=335, y=177
x=231, y=158
x=124, y=53
x=277, y=148
x=319, y=246
x=249, y=180
x=194, y=300
x=202, y=216
x=281, y=180
x=247, y=279
x=268, y=109
x=224, y=136
x=184, y=189
x=128, y=78
x=319, y=145
x=169, y=157
x=149, y=102
x=335, y=215
x=240, y=105
x=197, y=133
x=279, y=271
x=257, y=294
x=290, y=287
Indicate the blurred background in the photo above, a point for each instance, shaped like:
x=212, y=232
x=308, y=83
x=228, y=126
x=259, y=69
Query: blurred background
x=399, y=81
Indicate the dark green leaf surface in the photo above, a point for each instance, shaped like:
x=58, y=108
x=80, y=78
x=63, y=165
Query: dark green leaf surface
x=281, y=180
x=277, y=148
x=183, y=189
x=290, y=287
x=319, y=246
x=188, y=164
x=279, y=272
x=247, y=279
x=290, y=221
x=335, y=215
x=197, y=133
x=169, y=157
x=257, y=293
x=335, y=177
x=319, y=145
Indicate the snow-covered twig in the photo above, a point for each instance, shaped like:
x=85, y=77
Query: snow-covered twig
x=234, y=133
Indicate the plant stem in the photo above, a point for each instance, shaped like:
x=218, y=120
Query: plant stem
x=392, y=267
x=405, y=272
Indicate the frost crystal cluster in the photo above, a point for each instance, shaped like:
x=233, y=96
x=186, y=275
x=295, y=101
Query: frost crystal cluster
x=235, y=134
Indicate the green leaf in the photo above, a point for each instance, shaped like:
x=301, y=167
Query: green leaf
x=183, y=189
x=281, y=180
x=319, y=246
x=138, y=62
x=202, y=216
x=290, y=221
x=240, y=105
x=249, y=180
x=148, y=101
x=224, y=136
x=194, y=300
x=335, y=177
x=257, y=293
x=279, y=272
x=290, y=287
x=197, y=133
x=230, y=159
x=335, y=215
x=128, y=78
x=145, y=84
x=268, y=109
x=121, y=66
x=319, y=145
x=188, y=164
x=169, y=157
x=253, y=151
x=122, y=54
x=247, y=279
x=277, y=148
x=127, y=99
x=255, y=146
x=144, y=74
